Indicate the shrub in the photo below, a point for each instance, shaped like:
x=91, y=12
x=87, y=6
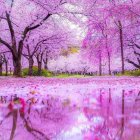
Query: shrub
x=135, y=72
x=44, y=72
x=130, y=73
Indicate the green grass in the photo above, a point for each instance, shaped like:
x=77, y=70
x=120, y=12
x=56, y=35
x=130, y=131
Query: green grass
x=47, y=73
x=130, y=73
x=4, y=74
x=70, y=76
x=44, y=72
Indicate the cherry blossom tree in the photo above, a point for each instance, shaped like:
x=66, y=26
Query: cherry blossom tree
x=4, y=59
x=31, y=47
x=19, y=18
x=109, y=25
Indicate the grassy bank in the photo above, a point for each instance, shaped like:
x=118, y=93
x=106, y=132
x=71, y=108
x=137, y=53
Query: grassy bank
x=46, y=73
x=69, y=76
x=130, y=73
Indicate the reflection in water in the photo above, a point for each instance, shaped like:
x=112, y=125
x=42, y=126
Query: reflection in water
x=103, y=114
x=16, y=107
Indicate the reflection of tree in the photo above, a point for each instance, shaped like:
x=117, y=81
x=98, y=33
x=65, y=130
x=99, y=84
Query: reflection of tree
x=32, y=130
x=138, y=97
x=14, y=113
x=120, y=132
x=52, y=110
x=109, y=127
x=27, y=123
x=122, y=121
x=49, y=110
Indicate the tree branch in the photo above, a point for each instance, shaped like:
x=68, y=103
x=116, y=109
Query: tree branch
x=27, y=29
x=133, y=63
x=13, y=39
x=6, y=44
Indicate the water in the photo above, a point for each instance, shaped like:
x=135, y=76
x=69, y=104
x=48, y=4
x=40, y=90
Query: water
x=72, y=111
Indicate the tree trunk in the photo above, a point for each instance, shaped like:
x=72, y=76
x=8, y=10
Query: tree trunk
x=0, y=69
x=10, y=71
x=17, y=66
x=100, y=64
x=39, y=68
x=45, y=64
x=6, y=68
x=108, y=55
x=121, y=45
x=109, y=64
x=31, y=63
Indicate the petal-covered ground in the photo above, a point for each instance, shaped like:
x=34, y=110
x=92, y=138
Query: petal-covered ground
x=105, y=108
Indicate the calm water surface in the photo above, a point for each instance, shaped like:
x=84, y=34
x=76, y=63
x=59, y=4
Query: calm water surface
x=98, y=114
